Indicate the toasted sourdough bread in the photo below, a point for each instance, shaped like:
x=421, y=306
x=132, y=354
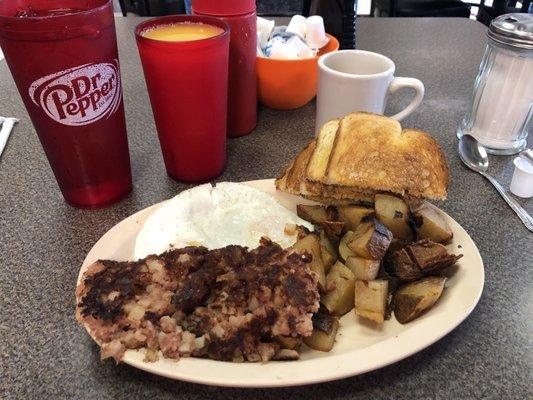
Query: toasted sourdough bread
x=318, y=163
x=371, y=151
x=294, y=180
x=363, y=154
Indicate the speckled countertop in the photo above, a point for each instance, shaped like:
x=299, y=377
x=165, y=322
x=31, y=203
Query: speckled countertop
x=43, y=241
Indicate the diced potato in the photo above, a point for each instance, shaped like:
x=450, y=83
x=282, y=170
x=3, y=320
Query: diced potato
x=325, y=242
x=403, y=266
x=333, y=214
x=339, y=297
x=325, y=329
x=344, y=251
x=327, y=259
x=325, y=217
x=290, y=229
x=426, y=253
x=328, y=252
x=352, y=215
x=412, y=299
x=371, y=299
x=333, y=229
x=286, y=355
x=358, y=241
x=370, y=240
x=394, y=214
x=288, y=342
x=362, y=268
x=315, y=214
x=432, y=225
x=311, y=244
x=394, y=246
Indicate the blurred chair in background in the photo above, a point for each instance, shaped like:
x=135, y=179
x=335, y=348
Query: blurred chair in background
x=279, y=8
x=149, y=8
x=378, y=8
x=499, y=7
x=165, y=7
x=419, y=8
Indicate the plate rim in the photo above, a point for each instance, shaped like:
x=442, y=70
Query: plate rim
x=327, y=376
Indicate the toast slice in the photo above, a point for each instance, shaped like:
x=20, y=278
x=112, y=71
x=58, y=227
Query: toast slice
x=294, y=180
x=318, y=163
x=372, y=152
x=363, y=154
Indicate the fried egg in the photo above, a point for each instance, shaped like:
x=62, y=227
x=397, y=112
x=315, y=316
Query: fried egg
x=215, y=217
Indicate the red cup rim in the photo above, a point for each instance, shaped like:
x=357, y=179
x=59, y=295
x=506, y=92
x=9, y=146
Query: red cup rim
x=69, y=15
x=167, y=20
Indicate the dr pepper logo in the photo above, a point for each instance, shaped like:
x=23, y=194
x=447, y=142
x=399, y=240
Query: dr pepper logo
x=80, y=95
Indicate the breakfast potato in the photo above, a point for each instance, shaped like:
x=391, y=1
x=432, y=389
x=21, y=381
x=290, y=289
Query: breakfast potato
x=316, y=214
x=352, y=215
x=325, y=217
x=288, y=342
x=362, y=268
x=344, y=251
x=333, y=229
x=394, y=246
x=394, y=214
x=421, y=258
x=430, y=224
x=370, y=240
x=325, y=329
x=412, y=299
x=339, y=296
x=328, y=252
x=286, y=355
x=371, y=299
x=311, y=244
x=404, y=267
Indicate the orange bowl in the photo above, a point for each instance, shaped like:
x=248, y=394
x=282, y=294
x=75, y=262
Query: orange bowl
x=289, y=84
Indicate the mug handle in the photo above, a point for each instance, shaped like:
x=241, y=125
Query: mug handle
x=399, y=83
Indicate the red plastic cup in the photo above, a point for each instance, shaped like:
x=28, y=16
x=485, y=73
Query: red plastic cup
x=188, y=86
x=63, y=57
x=242, y=89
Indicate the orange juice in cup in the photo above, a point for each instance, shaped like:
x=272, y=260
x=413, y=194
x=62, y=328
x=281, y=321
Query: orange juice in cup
x=183, y=32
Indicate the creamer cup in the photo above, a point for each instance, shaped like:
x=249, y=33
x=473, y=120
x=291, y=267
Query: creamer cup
x=297, y=26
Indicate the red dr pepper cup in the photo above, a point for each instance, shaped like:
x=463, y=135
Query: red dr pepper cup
x=242, y=91
x=63, y=57
x=188, y=87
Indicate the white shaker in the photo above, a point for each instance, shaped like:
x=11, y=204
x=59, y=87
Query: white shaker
x=502, y=103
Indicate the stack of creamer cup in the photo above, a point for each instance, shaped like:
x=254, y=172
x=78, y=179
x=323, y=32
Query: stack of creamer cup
x=301, y=39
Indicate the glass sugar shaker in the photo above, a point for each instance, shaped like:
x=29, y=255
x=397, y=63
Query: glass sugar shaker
x=501, y=109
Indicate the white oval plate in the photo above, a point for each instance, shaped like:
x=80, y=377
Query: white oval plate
x=360, y=347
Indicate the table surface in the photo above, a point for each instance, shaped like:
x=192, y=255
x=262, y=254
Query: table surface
x=43, y=241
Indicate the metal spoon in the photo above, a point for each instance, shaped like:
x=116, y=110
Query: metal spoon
x=474, y=156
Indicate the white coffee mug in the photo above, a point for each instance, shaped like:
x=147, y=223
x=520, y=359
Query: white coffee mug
x=358, y=80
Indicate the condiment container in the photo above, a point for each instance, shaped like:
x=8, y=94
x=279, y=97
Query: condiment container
x=522, y=182
x=339, y=18
x=242, y=91
x=502, y=103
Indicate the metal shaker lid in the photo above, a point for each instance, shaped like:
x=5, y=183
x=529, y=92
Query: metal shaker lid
x=515, y=30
